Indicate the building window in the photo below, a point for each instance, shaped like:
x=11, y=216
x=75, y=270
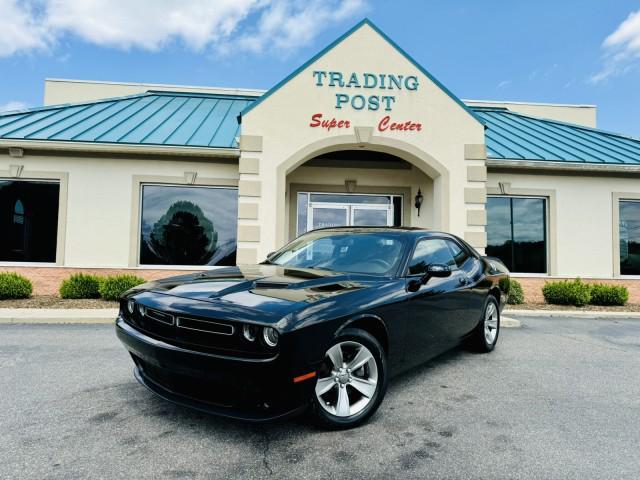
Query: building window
x=517, y=232
x=191, y=225
x=629, y=229
x=28, y=220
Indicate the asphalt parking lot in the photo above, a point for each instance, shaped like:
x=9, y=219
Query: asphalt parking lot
x=559, y=398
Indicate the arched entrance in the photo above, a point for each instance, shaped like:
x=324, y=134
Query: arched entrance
x=357, y=187
x=361, y=183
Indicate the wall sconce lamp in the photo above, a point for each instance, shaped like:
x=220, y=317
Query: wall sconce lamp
x=418, y=200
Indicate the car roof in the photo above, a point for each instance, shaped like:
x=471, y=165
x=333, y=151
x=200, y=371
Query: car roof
x=413, y=231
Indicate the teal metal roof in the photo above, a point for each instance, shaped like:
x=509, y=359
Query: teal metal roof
x=151, y=118
x=514, y=136
x=207, y=120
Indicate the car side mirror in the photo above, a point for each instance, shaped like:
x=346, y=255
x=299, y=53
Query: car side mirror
x=433, y=270
x=437, y=270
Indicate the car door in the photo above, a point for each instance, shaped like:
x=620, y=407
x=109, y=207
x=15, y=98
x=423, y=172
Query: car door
x=471, y=292
x=433, y=311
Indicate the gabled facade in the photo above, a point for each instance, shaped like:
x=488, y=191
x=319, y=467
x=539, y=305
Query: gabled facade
x=159, y=178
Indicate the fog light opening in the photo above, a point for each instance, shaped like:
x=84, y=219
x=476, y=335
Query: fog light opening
x=250, y=332
x=270, y=336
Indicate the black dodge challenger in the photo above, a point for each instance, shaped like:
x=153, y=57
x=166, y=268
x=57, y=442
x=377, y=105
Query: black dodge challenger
x=322, y=323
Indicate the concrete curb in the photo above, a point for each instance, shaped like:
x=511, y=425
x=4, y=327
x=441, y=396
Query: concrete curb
x=508, y=322
x=58, y=315
x=572, y=314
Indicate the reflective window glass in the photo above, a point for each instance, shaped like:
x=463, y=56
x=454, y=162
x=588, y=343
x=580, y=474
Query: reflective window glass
x=28, y=220
x=188, y=225
x=629, y=229
x=516, y=233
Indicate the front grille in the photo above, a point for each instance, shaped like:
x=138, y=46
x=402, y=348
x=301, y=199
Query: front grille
x=194, y=332
x=204, y=326
x=158, y=316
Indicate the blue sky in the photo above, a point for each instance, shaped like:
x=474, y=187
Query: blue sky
x=566, y=51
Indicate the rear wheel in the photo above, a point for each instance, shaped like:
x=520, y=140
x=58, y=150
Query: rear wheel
x=485, y=336
x=352, y=380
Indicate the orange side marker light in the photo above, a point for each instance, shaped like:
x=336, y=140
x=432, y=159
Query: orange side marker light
x=302, y=378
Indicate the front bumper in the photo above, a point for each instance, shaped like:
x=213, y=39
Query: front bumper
x=255, y=390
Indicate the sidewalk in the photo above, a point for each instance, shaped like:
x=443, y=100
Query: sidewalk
x=58, y=315
x=570, y=314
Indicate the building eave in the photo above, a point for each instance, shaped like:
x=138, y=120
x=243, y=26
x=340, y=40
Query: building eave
x=132, y=149
x=518, y=164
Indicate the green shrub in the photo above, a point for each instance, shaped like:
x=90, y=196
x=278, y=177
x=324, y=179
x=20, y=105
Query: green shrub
x=516, y=294
x=13, y=286
x=80, y=285
x=567, y=292
x=112, y=287
x=602, y=294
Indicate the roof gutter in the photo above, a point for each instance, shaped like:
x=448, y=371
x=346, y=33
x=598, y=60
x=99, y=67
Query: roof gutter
x=90, y=147
x=561, y=166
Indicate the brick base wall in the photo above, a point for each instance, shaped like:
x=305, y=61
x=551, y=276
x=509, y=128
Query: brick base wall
x=47, y=280
x=533, y=287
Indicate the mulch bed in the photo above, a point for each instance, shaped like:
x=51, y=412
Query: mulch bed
x=53, y=301
x=630, y=307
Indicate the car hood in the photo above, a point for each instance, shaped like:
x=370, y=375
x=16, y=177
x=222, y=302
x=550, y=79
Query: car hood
x=268, y=288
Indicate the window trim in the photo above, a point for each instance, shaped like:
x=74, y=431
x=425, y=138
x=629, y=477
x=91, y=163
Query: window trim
x=551, y=220
x=618, y=197
x=62, y=179
x=136, y=213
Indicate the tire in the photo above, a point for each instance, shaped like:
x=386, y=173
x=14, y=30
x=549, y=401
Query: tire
x=363, y=387
x=485, y=336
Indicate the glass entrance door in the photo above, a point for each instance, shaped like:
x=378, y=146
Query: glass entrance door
x=325, y=215
x=372, y=215
x=323, y=210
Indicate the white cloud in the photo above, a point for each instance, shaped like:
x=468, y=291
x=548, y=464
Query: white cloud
x=22, y=28
x=504, y=83
x=13, y=105
x=622, y=49
x=225, y=26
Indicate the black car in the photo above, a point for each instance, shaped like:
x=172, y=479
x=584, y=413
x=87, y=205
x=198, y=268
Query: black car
x=323, y=323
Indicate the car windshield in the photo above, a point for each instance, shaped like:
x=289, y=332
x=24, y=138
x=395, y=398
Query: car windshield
x=375, y=253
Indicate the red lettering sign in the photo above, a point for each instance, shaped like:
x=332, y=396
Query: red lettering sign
x=317, y=121
x=408, y=126
x=385, y=124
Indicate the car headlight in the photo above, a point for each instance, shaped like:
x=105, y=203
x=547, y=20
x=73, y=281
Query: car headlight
x=131, y=306
x=142, y=309
x=270, y=336
x=250, y=332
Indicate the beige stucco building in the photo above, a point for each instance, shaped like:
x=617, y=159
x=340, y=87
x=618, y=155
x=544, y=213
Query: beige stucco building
x=151, y=178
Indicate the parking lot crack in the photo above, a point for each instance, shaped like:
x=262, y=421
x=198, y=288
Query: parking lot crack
x=266, y=445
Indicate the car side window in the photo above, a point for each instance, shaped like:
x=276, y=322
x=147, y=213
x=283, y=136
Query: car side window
x=430, y=251
x=459, y=254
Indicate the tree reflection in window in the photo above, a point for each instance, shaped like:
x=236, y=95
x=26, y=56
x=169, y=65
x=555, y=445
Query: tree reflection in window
x=188, y=225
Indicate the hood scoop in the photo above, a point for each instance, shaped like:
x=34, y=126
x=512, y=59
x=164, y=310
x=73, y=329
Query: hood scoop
x=271, y=285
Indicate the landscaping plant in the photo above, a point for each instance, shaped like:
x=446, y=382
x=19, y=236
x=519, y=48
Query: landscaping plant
x=112, y=287
x=14, y=286
x=516, y=294
x=603, y=294
x=567, y=292
x=81, y=285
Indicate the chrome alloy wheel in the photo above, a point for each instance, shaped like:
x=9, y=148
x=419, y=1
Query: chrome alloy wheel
x=349, y=381
x=490, y=323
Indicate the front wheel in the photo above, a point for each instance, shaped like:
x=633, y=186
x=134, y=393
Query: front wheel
x=352, y=380
x=485, y=336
